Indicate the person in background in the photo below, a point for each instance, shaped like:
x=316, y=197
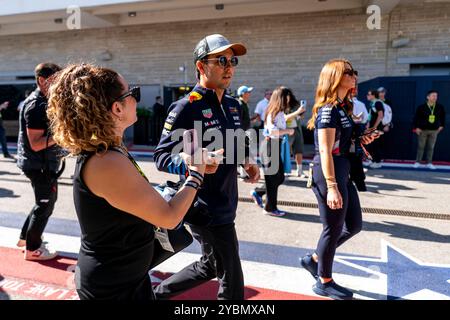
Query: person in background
x=160, y=114
x=244, y=93
x=5, y=151
x=296, y=141
x=387, y=104
x=261, y=107
x=275, y=129
x=429, y=121
x=359, y=116
x=376, y=114
x=39, y=159
x=22, y=103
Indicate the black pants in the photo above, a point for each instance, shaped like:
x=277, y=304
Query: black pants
x=3, y=139
x=220, y=259
x=45, y=187
x=357, y=174
x=338, y=225
x=272, y=180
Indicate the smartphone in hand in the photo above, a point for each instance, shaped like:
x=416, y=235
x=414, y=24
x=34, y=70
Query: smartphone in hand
x=190, y=142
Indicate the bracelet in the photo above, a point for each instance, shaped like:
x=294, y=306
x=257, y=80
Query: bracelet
x=192, y=184
x=196, y=175
x=332, y=185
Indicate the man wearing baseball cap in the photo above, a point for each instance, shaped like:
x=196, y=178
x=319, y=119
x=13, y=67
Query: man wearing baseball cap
x=244, y=93
x=215, y=60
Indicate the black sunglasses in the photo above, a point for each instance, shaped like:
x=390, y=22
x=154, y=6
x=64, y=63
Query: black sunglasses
x=135, y=92
x=351, y=72
x=223, y=61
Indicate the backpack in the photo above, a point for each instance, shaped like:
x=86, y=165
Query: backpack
x=387, y=118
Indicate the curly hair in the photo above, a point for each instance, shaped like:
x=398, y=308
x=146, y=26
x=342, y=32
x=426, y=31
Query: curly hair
x=80, y=99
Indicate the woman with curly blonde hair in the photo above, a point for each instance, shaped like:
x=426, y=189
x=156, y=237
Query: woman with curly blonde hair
x=89, y=109
x=339, y=207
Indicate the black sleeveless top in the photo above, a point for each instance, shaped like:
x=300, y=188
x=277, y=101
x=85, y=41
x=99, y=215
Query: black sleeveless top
x=116, y=247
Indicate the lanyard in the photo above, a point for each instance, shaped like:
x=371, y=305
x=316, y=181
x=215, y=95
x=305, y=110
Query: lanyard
x=124, y=151
x=431, y=109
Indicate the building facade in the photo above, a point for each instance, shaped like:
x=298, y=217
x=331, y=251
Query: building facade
x=288, y=41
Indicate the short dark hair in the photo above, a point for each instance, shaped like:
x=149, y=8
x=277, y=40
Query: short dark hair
x=432, y=91
x=374, y=92
x=158, y=97
x=46, y=70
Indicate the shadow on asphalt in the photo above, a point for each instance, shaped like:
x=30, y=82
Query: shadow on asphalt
x=405, y=231
x=393, y=229
x=6, y=193
x=10, y=173
x=375, y=296
x=56, y=264
x=409, y=175
x=372, y=187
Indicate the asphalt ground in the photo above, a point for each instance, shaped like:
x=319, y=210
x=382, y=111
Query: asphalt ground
x=281, y=240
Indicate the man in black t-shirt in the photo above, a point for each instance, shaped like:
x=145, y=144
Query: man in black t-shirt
x=37, y=157
x=6, y=153
x=159, y=114
x=376, y=114
x=244, y=94
x=429, y=120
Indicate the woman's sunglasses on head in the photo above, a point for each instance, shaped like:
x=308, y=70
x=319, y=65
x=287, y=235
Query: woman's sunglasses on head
x=135, y=92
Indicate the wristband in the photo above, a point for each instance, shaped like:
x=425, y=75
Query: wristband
x=192, y=184
x=196, y=175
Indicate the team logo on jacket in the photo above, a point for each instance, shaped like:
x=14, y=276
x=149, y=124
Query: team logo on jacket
x=194, y=96
x=233, y=110
x=207, y=113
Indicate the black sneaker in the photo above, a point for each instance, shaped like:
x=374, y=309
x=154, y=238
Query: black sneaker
x=309, y=264
x=332, y=289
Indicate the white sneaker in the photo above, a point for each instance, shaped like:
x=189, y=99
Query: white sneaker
x=375, y=165
x=275, y=213
x=300, y=174
x=416, y=165
x=42, y=253
x=431, y=166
